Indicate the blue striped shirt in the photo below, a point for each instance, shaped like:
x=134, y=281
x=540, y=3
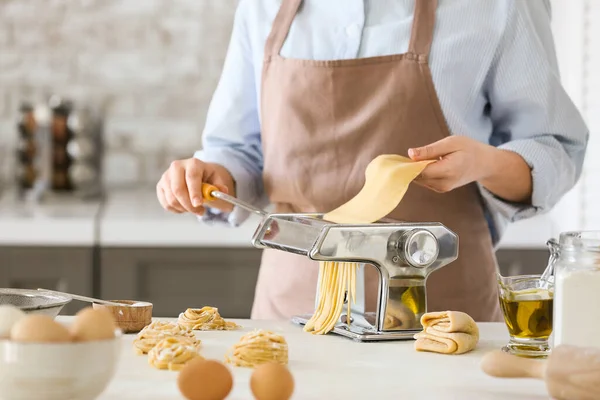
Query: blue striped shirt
x=494, y=68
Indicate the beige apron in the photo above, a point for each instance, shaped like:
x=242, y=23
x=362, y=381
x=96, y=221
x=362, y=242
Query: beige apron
x=322, y=123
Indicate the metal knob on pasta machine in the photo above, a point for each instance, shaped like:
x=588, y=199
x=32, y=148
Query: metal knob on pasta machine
x=403, y=254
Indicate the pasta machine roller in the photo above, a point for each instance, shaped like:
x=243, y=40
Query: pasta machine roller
x=403, y=254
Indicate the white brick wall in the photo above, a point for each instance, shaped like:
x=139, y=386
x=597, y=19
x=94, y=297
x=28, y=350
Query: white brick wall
x=153, y=65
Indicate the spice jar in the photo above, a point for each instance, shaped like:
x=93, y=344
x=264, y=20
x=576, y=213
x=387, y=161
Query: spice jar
x=576, y=259
x=27, y=124
x=61, y=134
x=27, y=149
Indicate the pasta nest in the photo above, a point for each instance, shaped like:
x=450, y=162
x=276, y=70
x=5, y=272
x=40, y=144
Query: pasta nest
x=258, y=347
x=173, y=352
x=158, y=330
x=205, y=319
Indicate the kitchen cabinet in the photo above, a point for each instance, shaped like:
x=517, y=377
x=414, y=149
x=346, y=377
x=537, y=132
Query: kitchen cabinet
x=174, y=279
x=55, y=268
x=522, y=261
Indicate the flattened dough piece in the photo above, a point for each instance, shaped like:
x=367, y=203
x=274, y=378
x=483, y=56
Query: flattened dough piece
x=447, y=332
x=387, y=179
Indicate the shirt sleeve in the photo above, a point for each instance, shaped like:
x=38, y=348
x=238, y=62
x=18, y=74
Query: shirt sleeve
x=532, y=114
x=231, y=135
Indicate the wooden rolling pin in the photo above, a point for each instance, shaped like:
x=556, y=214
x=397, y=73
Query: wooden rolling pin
x=570, y=373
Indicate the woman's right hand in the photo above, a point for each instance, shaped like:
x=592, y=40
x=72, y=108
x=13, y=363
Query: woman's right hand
x=180, y=187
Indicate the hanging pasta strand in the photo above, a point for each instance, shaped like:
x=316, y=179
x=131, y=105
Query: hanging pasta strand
x=354, y=270
x=322, y=290
x=344, y=278
x=322, y=294
x=331, y=297
x=337, y=281
x=322, y=310
x=329, y=319
x=325, y=271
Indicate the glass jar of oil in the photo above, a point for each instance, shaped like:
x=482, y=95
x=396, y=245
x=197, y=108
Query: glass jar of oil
x=577, y=289
x=527, y=305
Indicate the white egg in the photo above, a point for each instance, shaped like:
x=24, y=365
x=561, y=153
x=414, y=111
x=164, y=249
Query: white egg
x=9, y=315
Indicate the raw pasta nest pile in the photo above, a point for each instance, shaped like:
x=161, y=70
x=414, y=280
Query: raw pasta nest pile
x=173, y=352
x=205, y=319
x=158, y=330
x=258, y=347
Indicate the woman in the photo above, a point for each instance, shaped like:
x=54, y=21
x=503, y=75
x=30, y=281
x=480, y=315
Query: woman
x=312, y=91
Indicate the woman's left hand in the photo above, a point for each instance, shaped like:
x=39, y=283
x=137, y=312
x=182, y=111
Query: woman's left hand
x=461, y=160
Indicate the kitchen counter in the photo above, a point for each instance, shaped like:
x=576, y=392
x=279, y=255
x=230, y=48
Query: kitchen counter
x=59, y=221
x=333, y=367
x=134, y=218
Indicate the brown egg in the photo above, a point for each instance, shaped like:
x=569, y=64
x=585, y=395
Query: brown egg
x=93, y=324
x=272, y=381
x=205, y=380
x=37, y=328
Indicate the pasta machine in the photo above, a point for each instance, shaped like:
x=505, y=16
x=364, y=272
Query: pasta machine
x=403, y=254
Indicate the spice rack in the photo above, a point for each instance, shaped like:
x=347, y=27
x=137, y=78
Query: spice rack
x=59, y=150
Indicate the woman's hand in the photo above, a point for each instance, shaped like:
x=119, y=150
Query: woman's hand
x=180, y=187
x=462, y=160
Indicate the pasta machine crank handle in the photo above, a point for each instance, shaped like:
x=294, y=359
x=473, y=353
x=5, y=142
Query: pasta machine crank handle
x=211, y=193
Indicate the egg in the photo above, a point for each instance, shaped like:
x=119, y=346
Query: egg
x=39, y=328
x=204, y=380
x=9, y=315
x=93, y=324
x=272, y=381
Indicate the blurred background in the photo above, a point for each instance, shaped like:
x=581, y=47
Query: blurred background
x=98, y=96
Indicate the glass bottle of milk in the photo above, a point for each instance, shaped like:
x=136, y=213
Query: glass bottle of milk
x=577, y=289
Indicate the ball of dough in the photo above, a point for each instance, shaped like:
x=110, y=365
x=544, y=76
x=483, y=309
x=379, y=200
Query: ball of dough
x=9, y=315
x=205, y=380
x=272, y=381
x=39, y=328
x=93, y=324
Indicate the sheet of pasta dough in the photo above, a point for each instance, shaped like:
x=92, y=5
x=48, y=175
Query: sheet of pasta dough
x=387, y=179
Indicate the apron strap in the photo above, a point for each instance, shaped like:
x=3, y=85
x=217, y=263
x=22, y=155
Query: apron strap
x=281, y=26
x=423, y=26
x=420, y=39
